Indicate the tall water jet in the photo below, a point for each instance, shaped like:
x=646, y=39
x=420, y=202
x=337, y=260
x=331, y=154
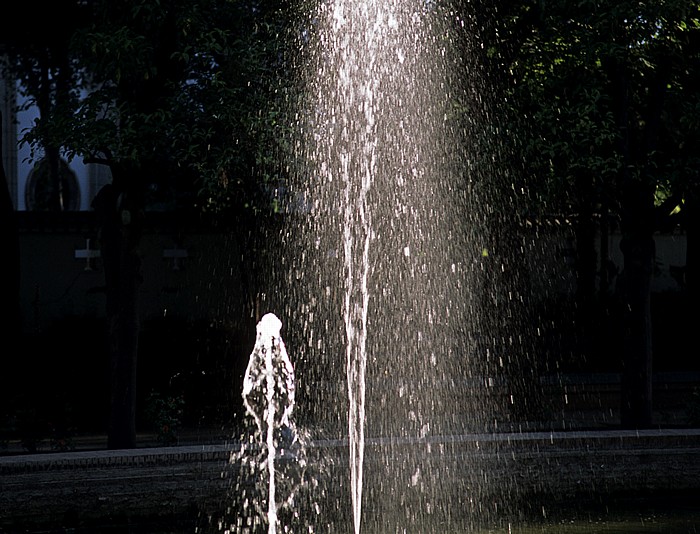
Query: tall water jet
x=383, y=169
x=387, y=269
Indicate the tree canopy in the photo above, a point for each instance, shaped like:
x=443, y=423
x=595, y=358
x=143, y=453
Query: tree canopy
x=188, y=89
x=184, y=101
x=602, y=91
x=601, y=100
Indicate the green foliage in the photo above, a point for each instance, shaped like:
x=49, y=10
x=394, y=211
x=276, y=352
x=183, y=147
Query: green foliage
x=165, y=414
x=188, y=90
x=600, y=94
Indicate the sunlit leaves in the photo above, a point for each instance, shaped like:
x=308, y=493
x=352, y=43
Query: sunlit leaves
x=575, y=67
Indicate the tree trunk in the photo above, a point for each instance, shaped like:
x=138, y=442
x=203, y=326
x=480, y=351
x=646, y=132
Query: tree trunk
x=639, y=256
x=9, y=287
x=638, y=141
x=123, y=333
x=692, y=221
x=119, y=216
x=586, y=263
x=636, y=406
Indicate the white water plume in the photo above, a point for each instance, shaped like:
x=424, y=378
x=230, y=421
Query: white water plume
x=383, y=261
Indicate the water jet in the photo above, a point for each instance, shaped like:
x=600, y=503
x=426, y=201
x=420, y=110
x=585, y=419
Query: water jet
x=381, y=275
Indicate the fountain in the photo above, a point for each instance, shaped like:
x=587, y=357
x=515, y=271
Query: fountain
x=271, y=461
x=384, y=270
x=268, y=395
x=401, y=300
x=392, y=247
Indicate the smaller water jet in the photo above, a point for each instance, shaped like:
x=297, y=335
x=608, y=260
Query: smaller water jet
x=272, y=456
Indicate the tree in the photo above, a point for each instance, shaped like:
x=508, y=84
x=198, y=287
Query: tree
x=598, y=86
x=9, y=289
x=174, y=98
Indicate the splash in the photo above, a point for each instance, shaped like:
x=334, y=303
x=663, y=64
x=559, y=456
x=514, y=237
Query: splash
x=272, y=457
x=268, y=384
x=387, y=257
x=377, y=111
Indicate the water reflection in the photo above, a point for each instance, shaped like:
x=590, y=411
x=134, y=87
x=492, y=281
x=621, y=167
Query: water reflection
x=645, y=518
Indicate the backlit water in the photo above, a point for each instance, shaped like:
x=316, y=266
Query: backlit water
x=384, y=264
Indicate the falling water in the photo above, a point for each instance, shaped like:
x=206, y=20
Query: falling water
x=373, y=101
x=271, y=462
x=387, y=261
x=268, y=395
x=357, y=235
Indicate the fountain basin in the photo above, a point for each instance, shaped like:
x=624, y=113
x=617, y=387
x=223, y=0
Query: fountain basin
x=519, y=473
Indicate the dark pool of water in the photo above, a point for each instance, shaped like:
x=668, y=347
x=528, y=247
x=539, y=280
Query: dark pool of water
x=672, y=515
x=682, y=521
